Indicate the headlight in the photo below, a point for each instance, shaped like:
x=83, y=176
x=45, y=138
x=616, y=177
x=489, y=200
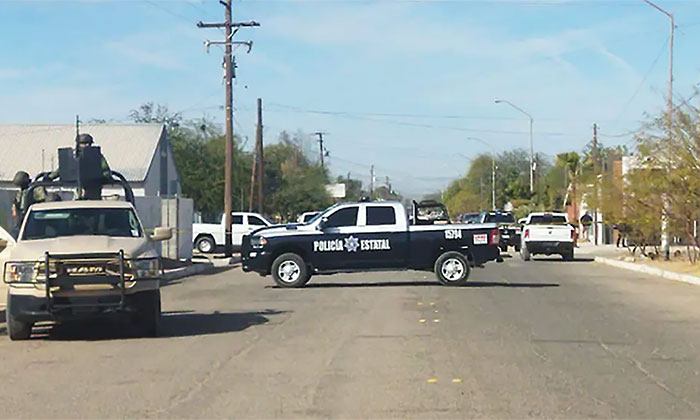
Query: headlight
x=145, y=268
x=21, y=272
x=258, y=241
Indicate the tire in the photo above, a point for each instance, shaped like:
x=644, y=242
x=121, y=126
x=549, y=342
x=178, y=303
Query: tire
x=147, y=306
x=205, y=244
x=525, y=253
x=16, y=330
x=452, y=269
x=290, y=270
x=568, y=256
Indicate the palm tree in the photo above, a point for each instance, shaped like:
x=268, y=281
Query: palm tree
x=571, y=162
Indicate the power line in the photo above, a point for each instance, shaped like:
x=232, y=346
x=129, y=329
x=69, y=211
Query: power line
x=409, y=124
x=644, y=79
x=168, y=11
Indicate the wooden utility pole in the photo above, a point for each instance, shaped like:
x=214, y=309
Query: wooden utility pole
x=257, y=169
x=228, y=25
x=595, y=182
x=371, y=182
x=260, y=159
x=320, y=146
x=253, y=173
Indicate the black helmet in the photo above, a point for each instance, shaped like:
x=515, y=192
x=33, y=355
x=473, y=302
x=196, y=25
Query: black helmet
x=85, y=139
x=21, y=180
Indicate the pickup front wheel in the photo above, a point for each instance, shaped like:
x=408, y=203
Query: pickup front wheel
x=290, y=270
x=452, y=269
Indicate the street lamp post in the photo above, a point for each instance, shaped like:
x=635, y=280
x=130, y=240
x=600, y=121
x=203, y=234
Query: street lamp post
x=493, y=169
x=532, y=157
x=665, y=239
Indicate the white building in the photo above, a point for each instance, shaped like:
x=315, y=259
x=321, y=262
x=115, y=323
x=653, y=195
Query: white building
x=140, y=152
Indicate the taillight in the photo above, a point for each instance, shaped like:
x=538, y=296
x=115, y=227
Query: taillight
x=495, y=237
x=527, y=233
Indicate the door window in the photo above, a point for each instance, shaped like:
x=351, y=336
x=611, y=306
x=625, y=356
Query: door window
x=254, y=220
x=383, y=215
x=236, y=220
x=343, y=217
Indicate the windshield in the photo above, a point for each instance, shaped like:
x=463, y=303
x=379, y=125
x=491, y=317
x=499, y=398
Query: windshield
x=308, y=217
x=321, y=213
x=547, y=219
x=499, y=218
x=116, y=222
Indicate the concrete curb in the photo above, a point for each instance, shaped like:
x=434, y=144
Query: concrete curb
x=640, y=268
x=190, y=270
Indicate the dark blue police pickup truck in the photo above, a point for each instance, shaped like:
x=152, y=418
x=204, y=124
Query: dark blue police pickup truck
x=369, y=236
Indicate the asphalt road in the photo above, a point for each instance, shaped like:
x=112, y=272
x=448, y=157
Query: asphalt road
x=538, y=339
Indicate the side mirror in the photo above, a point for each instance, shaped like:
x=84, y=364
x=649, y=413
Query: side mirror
x=322, y=224
x=161, y=234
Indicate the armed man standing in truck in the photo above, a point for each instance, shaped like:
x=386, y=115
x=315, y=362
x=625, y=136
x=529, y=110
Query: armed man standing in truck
x=21, y=202
x=92, y=190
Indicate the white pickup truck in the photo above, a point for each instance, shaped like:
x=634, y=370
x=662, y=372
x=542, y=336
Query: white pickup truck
x=547, y=233
x=208, y=236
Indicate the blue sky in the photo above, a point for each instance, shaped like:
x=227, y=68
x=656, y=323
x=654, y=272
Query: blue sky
x=399, y=84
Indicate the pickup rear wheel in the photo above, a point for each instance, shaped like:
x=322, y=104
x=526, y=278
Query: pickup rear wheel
x=290, y=270
x=452, y=269
x=205, y=244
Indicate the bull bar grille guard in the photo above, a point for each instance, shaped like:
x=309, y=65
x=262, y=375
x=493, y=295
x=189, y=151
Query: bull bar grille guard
x=107, y=269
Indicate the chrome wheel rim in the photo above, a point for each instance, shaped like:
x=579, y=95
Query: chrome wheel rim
x=205, y=246
x=288, y=271
x=452, y=269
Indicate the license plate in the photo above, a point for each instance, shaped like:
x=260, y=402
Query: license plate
x=481, y=239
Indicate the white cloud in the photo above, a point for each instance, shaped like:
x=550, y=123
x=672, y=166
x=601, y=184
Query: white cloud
x=161, y=49
x=10, y=73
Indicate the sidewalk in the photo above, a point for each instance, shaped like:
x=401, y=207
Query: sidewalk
x=623, y=258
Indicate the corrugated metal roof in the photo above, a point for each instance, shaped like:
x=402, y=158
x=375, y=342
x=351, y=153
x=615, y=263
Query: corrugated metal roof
x=128, y=148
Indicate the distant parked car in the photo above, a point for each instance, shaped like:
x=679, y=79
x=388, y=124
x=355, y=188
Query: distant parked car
x=509, y=230
x=470, y=218
x=208, y=236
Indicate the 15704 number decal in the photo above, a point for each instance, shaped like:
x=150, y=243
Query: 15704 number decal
x=453, y=234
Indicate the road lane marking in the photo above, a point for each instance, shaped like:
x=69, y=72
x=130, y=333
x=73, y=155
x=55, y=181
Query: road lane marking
x=420, y=303
x=436, y=320
x=436, y=311
x=432, y=303
x=421, y=321
x=431, y=380
x=456, y=381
